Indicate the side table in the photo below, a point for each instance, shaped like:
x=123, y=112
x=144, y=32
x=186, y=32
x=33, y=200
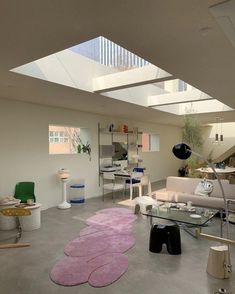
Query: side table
x=33, y=221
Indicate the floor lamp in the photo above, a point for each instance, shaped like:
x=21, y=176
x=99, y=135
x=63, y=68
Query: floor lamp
x=183, y=151
x=64, y=175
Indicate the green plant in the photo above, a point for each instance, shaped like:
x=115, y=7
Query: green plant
x=192, y=135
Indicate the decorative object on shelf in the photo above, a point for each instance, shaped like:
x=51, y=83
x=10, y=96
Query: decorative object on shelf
x=84, y=148
x=77, y=142
x=63, y=174
x=183, y=151
x=79, y=148
x=124, y=128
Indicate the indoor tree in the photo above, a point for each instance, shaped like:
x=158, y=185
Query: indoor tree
x=192, y=135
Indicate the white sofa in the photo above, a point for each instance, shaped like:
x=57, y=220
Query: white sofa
x=181, y=189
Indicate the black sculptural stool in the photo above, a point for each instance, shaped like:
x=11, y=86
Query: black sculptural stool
x=165, y=234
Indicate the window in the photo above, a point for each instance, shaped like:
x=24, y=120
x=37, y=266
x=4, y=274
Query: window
x=150, y=142
x=58, y=137
x=67, y=140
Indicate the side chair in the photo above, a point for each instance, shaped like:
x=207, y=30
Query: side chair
x=15, y=212
x=109, y=184
x=139, y=179
x=25, y=191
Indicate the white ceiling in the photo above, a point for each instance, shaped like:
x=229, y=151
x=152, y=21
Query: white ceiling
x=181, y=37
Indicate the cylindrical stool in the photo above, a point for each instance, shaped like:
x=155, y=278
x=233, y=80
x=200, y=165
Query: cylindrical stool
x=77, y=193
x=168, y=234
x=218, y=261
x=33, y=221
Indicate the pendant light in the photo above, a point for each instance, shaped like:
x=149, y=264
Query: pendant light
x=216, y=130
x=221, y=132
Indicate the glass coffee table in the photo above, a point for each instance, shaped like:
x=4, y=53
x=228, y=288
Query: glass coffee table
x=187, y=218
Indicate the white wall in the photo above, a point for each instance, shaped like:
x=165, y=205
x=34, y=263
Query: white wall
x=24, y=150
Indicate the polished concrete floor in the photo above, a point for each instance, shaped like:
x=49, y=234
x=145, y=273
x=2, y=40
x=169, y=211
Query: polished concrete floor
x=26, y=270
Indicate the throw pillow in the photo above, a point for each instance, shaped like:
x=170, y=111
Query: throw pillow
x=204, y=188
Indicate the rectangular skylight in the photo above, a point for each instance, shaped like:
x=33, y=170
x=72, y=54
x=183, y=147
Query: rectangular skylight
x=103, y=67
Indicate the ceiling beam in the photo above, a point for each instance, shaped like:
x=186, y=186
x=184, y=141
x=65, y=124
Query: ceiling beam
x=177, y=97
x=130, y=78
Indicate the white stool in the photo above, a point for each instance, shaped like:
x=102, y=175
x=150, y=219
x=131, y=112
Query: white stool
x=144, y=201
x=8, y=222
x=33, y=221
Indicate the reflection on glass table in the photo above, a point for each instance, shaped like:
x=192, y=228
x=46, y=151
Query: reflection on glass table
x=195, y=216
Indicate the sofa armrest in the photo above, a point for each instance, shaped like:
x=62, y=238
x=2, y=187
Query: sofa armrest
x=164, y=195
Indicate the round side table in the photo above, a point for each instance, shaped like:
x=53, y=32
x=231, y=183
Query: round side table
x=33, y=221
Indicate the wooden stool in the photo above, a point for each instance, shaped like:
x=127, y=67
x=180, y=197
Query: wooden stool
x=218, y=262
x=15, y=212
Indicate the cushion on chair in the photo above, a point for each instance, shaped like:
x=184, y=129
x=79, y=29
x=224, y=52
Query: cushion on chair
x=134, y=181
x=138, y=169
x=112, y=186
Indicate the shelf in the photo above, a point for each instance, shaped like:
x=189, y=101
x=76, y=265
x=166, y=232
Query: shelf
x=130, y=138
x=119, y=133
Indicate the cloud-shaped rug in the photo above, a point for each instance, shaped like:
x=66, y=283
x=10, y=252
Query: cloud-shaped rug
x=97, y=255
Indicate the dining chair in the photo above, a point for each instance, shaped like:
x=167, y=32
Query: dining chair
x=135, y=181
x=25, y=191
x=146, y=182
x=15, y=212
x=110, y=184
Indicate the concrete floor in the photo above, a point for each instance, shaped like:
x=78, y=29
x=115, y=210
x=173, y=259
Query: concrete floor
x=25, y=270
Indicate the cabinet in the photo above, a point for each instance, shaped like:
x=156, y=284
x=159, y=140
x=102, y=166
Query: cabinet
x=118, y=148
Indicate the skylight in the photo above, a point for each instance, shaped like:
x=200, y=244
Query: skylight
x=103, y=67
x=109, y=54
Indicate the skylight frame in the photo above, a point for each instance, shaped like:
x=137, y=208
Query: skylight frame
x=74, y=70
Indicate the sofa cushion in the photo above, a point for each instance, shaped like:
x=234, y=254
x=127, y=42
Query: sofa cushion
x=182, y=184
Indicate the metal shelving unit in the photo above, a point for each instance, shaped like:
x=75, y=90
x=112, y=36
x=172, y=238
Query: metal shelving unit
x=131, y=138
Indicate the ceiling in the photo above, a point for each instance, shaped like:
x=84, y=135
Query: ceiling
x=181, y=37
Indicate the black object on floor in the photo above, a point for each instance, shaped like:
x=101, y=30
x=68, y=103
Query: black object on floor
x=165, y=234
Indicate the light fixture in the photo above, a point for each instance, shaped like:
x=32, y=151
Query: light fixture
x=216, y=130
x=63, y=174
x=183, y=151
x=221, y=131
x=219, y=137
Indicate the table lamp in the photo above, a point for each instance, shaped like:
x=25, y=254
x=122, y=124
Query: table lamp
x=63, y=174
x=183, y=151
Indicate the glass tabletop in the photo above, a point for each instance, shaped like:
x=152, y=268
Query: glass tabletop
x=197, y=216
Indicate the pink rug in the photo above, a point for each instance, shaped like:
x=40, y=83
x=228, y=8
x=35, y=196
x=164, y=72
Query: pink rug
x=97, y=255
